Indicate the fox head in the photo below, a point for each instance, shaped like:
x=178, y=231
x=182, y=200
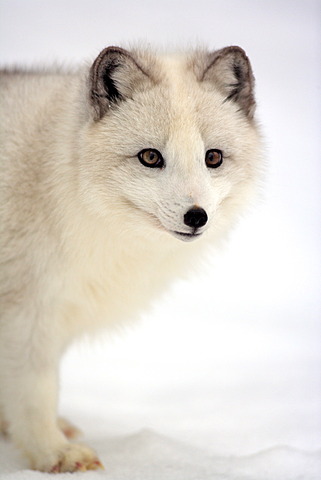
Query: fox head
x=170, y=142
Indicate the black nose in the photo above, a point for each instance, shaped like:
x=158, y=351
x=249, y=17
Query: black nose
x=195, y=217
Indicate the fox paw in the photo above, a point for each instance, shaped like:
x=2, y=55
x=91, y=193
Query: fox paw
x=71, y=458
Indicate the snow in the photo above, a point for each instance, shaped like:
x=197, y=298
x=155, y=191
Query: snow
x=221, y=380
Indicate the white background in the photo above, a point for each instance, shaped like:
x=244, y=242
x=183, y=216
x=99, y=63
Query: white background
x=222, y=379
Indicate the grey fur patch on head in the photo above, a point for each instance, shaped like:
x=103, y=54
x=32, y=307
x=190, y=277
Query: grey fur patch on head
x=229, y=69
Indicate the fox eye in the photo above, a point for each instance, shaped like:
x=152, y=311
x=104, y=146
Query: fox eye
x=149, y=157
x=214, y=158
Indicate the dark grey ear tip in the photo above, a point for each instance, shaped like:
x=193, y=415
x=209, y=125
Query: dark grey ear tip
x=109, y=53
x=236, y=49
x=240, y=58
x=237, y=53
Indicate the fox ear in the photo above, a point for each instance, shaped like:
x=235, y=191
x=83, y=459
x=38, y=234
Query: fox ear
x=230, y=70
x=114, y=76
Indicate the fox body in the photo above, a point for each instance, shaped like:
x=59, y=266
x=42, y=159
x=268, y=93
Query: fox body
x=114, y=179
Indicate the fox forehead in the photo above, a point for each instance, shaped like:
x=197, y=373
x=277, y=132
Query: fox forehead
x=177, y=113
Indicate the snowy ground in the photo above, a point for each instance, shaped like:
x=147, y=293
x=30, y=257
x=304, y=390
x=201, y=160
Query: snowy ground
x=222, y=379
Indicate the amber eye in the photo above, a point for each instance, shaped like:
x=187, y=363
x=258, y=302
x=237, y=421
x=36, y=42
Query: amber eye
x=214, y=158
x=150, y=157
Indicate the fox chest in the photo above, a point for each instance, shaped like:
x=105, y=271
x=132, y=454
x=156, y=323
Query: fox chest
x=114, y=293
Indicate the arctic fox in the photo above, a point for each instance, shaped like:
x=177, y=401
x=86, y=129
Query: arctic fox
x=114, y=178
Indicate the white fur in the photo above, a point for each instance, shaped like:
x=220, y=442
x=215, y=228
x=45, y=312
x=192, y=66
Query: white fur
x=86, y=229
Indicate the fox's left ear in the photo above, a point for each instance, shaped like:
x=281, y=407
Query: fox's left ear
x=114, y=76
x=229, y=69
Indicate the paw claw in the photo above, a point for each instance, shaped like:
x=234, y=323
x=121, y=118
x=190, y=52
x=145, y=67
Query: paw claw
x=96, y=465
x=80, y=467
x=55, y=469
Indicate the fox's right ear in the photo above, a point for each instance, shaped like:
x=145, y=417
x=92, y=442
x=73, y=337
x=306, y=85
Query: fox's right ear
x=114, y=76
